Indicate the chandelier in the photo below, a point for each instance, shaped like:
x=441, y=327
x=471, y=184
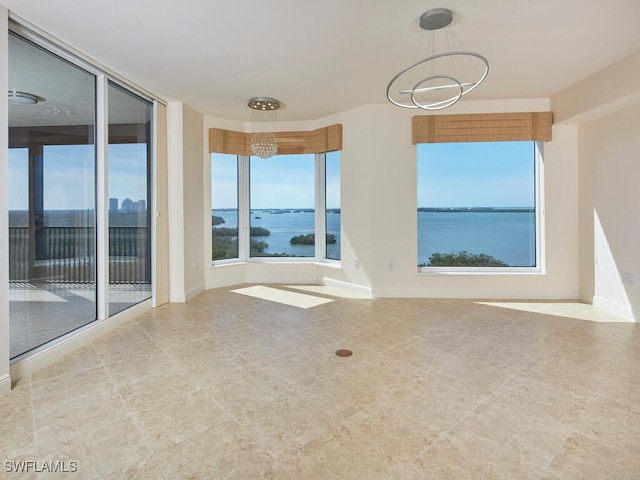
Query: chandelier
x=264, y=143
x=441, y=79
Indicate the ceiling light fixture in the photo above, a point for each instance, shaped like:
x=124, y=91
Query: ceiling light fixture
x=264, y=143
x=441, y=79
x=23, y=98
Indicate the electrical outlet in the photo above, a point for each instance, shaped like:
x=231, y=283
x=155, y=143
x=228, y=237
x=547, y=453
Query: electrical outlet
x=356, y=264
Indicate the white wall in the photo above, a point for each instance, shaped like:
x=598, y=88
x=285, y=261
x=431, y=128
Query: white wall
x=379, y=225
x=186, y=201
x=5, y=379
x=603, y=109
x=193, y=201
x=610, y=211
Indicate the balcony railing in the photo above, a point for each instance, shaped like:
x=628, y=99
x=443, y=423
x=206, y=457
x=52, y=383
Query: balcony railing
x=67, y=254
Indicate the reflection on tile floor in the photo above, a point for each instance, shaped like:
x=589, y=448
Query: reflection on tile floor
x=230, y=386
x=40, y=312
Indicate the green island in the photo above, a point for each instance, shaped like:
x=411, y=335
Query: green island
x=310, y=239
x=463, y=259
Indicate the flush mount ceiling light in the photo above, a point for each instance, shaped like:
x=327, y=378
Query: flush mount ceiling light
x=441, y=79
x=23, y=98
x=264, y=143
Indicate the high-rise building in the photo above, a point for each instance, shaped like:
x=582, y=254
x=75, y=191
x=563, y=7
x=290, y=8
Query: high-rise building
x=128, y=205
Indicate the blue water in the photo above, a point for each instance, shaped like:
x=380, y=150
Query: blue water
x=283, y=226
x=507, y=236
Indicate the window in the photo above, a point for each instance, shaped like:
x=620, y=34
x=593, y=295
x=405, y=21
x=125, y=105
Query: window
x=282, y=206
x=275, y=207
x=129, y=162
x=478, y=205
x=224, y=206
x=332, y=204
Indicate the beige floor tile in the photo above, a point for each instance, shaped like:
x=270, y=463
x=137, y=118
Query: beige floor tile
x=486, y=444
x=244, y=395
x=72, y=389
x=146, y=469
x=16, y=432
x=84, y=358
x=335, y=455
x=543, y=400
x=621, y=391
x=101, y=448
x=178, y=418
x=566, y=374
x=628, y=362
x=603, y=420
x=222, y=452
x=428, y=406
x=287, y=423
x=341, y=395
x=229, y=386
x=391, y=437
x=583, y=456
x=478, y=378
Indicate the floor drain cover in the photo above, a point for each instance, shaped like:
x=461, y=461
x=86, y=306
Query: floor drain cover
x=344, y=353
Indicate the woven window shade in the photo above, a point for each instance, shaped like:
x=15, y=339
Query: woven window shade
x=322, y=140
x=482, y=127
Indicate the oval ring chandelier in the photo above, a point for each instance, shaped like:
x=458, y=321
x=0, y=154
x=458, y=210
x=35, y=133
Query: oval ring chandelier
x=443, y=78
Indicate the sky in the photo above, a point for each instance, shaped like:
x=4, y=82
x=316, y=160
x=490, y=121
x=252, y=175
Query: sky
x=499, y=174
x=484, y=174
x=69, y=176
x=286, y=181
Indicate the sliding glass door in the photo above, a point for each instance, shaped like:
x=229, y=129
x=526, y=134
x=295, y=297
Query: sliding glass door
x=52, y=175
x=55, y=233
x=129, y=160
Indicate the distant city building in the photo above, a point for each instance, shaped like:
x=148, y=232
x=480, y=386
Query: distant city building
x=128, y=205
x=142, y=206
x=113, y=205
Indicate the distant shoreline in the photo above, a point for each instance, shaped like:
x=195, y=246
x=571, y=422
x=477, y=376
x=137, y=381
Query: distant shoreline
x=477, y=209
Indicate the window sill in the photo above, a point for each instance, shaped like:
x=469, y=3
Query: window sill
x=481, y=272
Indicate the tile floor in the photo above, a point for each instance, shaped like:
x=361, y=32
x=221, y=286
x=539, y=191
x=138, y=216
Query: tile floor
x=230, y=386
x=42, y=311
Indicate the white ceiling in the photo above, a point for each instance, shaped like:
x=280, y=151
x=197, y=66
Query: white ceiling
x=328, y=56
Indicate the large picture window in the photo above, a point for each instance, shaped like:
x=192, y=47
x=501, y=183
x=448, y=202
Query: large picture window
x=279, y=208
x=478, y=205
x=282, y=206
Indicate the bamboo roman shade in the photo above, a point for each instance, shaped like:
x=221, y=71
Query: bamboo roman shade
x=322, y=140
x=482, y=127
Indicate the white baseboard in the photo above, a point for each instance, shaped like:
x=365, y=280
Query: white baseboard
x=184, y=297
x=614, y=308
x=79, y=338
x=349, y=287
x=5, y=384
x=195, y=291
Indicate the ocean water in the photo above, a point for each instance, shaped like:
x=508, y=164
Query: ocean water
x=507, y=236
x=283, y=226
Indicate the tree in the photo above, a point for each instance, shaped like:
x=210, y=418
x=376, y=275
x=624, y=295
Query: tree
x=463, y=259
x=216, y=220
x=310, y=239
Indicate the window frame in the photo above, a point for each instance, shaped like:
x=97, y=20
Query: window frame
x=539, y=214
x=244, y=220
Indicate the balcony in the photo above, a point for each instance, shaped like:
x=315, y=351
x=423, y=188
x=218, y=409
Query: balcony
x=52, y=279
